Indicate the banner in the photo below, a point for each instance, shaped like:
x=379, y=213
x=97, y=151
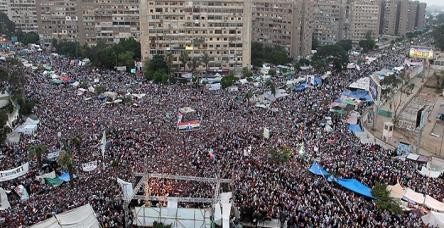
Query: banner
x=14, y=173
x=421, y=53
x=54, y=181
x=103, y=144
x=89, y=166
x=53, y=155
x=127, y=188
x=46, y=175
x=21, y=191
x=4, y=203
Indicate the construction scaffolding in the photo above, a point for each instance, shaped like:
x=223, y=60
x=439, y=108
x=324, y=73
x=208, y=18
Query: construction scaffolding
x=178, y=217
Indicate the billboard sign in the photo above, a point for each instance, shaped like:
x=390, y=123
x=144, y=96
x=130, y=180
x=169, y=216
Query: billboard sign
x=421, y=53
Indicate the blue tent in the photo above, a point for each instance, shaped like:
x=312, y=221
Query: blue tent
x=318, y=170
x=65, y=177
x=355, y=186
x=358, y=94
x=403, y=148
x=355, y=128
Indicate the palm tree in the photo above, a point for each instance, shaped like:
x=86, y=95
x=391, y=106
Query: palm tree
x=184, y=58
x=248, y=96
x=169, y=61
x=37, y=151
x=206, y=60
x=77, y=142
x=65, y=161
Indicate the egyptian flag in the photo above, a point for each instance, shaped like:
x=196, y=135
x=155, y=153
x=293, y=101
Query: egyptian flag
x=211, y=154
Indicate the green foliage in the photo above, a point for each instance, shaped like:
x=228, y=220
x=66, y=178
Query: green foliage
x=65, y=161
x=330, y=54
x=281, y=155
x=246, y=73
x=272, y=72
x=156, y=69
x=195, y=62
x=28, y=38
x=160, y=225
x=347, y=45
x=7, y=27
x=383, y=200
x=228, y=81
x=184, y=58
x=391, y=81
x=26, y=106
x=262, y=53
x=99, y=89
x=3, y=117
x=37, y=151
x=438, y=36
x=102, y=55
x=368, y=44
x=315, y=44
x=440, y=18
x=206, y=60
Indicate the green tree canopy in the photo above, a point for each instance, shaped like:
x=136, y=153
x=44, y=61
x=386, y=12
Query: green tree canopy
x=7, y=27
x=347, y=45
x=330, y=54
x=264, y=53
x=228, y=80
x=28, y=38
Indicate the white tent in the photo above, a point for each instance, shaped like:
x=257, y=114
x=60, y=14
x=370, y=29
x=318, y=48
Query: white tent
x=413, y=196
x=429, y=173
x=83, y=216
x=28, y=127
x=396, y=191
x=434, y=219
x=434, y=204
x=13, y=138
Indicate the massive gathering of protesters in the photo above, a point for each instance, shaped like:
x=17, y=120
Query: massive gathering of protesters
x=142, y=137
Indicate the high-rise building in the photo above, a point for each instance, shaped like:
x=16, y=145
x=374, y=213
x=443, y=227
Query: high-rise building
x=364, y=19
x=57, y=19
x=420, y=17
x=402, y=17
x=24, y=14
x=221, y=29
x=411, y=15
x=108, y=20
x=389, y=12
x=329, y=21
x=4, y=6
x=287, y=23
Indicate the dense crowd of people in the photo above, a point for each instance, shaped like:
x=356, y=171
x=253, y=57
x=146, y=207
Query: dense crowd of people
x=142, y=137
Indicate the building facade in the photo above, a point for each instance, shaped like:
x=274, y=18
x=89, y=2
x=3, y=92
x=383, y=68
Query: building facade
x=4, y=6
x=329, y=21
x=364, y=18
x=220, y=29
x=411, y=15
x=108, y=20
x=287, y=23
x=57, y=19
x=421, y=15
x=389, y=11
x=24, y=14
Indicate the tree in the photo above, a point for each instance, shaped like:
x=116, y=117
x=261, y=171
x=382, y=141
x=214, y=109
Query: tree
x=160, y=77
x=383, y=200
x=169, y=58
x=347, y=45
x=37, y=151
x=7, y=27
x=184, y=58
x=206, y=60
x=248, y=97
x=315, y=44
x=330, y=54
x=274, y=54
x=228, y=80
x=157, y=63
x=195, y=62
x=281, y=155
x=272, y=87
x=272, y=72
x=368, y=44
x=65, y=161
x=28, y=38
x=246, y=73
x=126, y=58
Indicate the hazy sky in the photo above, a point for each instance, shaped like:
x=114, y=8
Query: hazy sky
x=434, y=2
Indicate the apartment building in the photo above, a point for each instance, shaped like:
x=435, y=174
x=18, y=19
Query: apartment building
x=287, y=23
x=108, y=20
x=411, y=15
x=364, y=18
x=57, y=19
x=220, y=28
x=389, y=11
x=329, y=21
x=24, y=14
x=420, y=16
x=4, y=6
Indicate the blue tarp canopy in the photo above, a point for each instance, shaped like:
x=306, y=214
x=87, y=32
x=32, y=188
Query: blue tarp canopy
x=65, y=177
x=358, y=94
x=318, y=170
x=355, y=186
x=403, y=149
x=355, y=128
x=299, y=87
